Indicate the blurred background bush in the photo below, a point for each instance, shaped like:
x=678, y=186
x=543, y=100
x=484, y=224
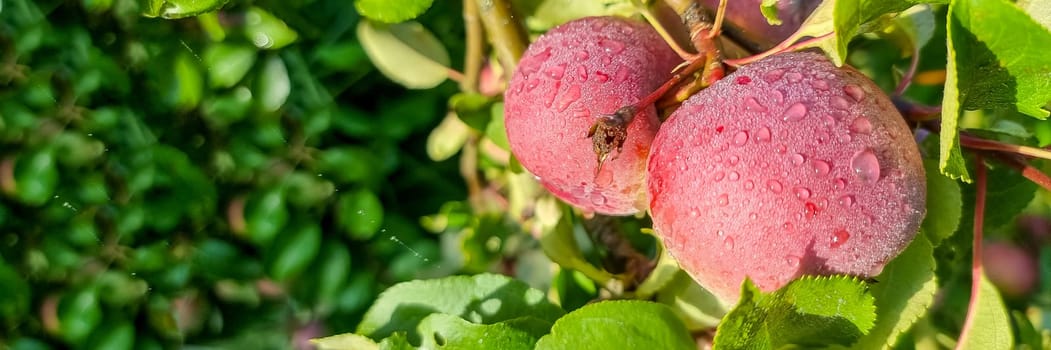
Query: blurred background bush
x=238, y=179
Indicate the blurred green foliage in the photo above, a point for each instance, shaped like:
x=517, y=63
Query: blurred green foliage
x=237, y=179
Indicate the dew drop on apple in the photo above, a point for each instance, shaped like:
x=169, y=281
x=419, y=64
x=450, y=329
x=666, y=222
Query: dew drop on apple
x=773, y=75
x=846, y=201
x=741, y=138
x=801, y=192
x=734, y=176
x=601, y=77
x=719, y=176
x=763, y=135
x=722, y=200
x=794, y=77
x=728, y=243
x=572, y=95
x=821, y=167
x=838, y=238
x=611, y=46
x=797, y=159
x=598, y=198
x=861, y=125
x=582, y=73
x=752, y=105
x=819, y=84
x=839, y=184
x=749, y=185
x=839, y=102
x=865, y=166
x=774, y=186
x=733, y=160
x=854, y=92
x=556, y=72
x=792, y=261
x=795, y=112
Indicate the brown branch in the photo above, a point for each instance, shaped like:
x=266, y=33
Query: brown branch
x=990, y=145
x=474, y=54
x=506, y=33
x=1028, y=171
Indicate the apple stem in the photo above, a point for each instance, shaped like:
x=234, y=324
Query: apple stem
x=990, y=145
x=473, y=54
x=784, y=46
x=976, y=256
x=455, y=75
x=717, y=26
x=913, y=111
x=907, y=78
x=1028, y=171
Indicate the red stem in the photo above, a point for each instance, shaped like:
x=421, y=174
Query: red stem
x=907, y=78
x=976, y=262
x=672, y=82
x=990, y=145
x=1028, y=171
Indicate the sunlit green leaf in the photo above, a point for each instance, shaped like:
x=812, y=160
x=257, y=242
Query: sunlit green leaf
x=406, y=53
x=392, y=11
x=991, y=327
x=621, y=324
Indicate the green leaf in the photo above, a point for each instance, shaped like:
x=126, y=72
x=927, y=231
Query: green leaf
x=36, y=177
x=620, y=324
x=397, y=341
x=227, y=63
x=482, y=299
x=293, y=250
x=273, y=86
x=267, y=31
x=345, y=341
x=847, y=19
x=265, y=215
x=809, y=312
x=473, y=109
x=911, y=29
x=14, y=297
x=392, y=11
x=1040, y=10
x=1007, y=194
x=179, y=8
x=496, y=130
x=991, y=329
x=769, y=10
x=903, y=294
x=999, y=68
x=696, y=306
x=360, y=214
x=442, y=331
x=560, y=245
x=541, y=15
x=78, y=315
x=944, y=204
x=406, y=53
x=447, y=138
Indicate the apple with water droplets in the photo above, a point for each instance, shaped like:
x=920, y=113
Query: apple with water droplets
x=788, y=166
x=567, y=79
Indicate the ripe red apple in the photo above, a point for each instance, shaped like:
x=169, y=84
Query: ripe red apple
x=1012, y=269
x=788, y=166
x=566, y=80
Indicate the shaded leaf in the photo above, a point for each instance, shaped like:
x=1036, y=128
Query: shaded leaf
x=944, y=204
x=392, y=11
x=442, y=331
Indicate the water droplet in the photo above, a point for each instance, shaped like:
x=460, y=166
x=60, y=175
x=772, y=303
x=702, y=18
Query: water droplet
x=839, y=238
x=797, y=159
x=753, y=216
x=801, y=192
x=722, y=200
x=582, y=55
x=773, y=75
x=728, y=242
x=719, y=176
x=549, y=95
x=763, y=135
x=794, y=77
x=611, y=46
x=748, y=185
x=865, y=166
x=819, y=84
x=861, y=125
x=753, y=105
x=694, y=212
x=810, y=210
x=787, y=226
x=792, y=261
x=598, y=198
x=782, y=149
x=846, y=201
x=532, y=84
x=601, y=77
x=839, y=183
x=720, y=233
x=820, y=167
x=733, y=160
x=734, y=176
x=572, y=95
x=774, y=186
x=622, y=74
x=743, y=80
x=556, y=72
x=828, y=120
x=854, y=92
x=582, y=73
x=795, y=112
x=741, y=138
x=777, y=96
x=839, y=102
